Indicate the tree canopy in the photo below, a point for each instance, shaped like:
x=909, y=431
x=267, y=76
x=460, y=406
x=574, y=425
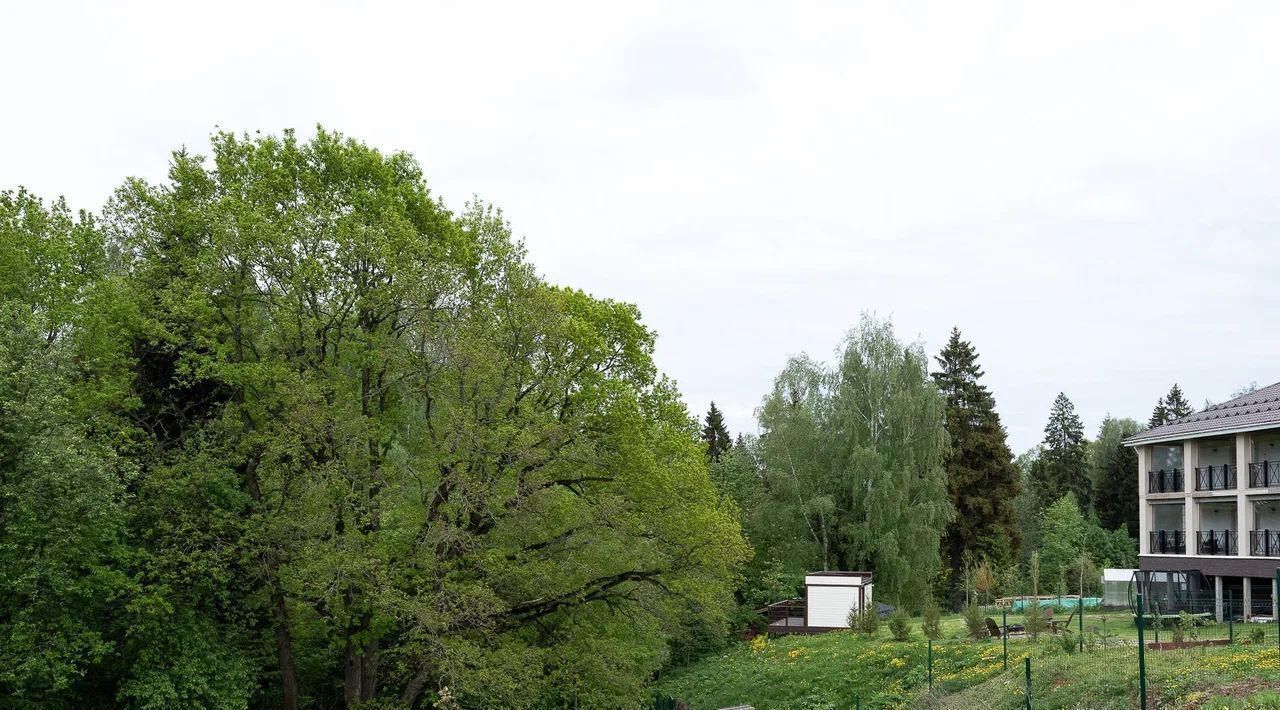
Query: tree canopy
x=1062, y=466
x=852, y=458
x=715, y=434
x=982, y=481
x=1114, y=470
x=329, y=439
x=1170, y=407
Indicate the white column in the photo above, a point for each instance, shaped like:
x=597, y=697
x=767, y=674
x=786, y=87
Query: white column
x=1190, y=513
x=1248, y=597
x=1244, y=511
x=1217, y=597
x=1144, y=508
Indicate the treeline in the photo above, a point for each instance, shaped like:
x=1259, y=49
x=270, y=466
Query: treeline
x=283, y=431
x=882, y=462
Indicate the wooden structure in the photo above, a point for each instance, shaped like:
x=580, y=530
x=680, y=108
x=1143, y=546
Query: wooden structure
x=829, y=599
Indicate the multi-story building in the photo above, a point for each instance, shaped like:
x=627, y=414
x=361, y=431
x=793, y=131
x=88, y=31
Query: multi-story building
x=1209, y=499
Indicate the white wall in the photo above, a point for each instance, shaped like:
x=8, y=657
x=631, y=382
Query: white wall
x=830, y=606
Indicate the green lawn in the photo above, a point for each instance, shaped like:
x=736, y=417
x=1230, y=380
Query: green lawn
x=837, y=669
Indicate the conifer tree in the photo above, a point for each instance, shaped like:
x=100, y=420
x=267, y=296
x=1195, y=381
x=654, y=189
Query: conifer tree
x=982, y=480
x=1170, y=407
x=1114, y=470
x=1063, y=466
x=715, y=434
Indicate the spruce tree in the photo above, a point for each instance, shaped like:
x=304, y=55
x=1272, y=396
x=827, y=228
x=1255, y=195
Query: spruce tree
x=1170, y=407
x=715, y=434
x=1114, y=470
x=1063, y=466
x=982, y=481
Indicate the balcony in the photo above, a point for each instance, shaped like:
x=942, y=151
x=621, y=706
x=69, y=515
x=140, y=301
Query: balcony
x=1216, y=478
x=1264, y=474
x=1264, y=543
x=1216, y=542
x=1164, y=481
x=1168, y=542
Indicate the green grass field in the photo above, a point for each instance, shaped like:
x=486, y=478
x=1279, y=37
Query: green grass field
x=839, y=669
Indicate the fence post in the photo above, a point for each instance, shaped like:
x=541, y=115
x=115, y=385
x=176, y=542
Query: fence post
x=1142, y=658
x=1080, y=613
x=931, y=664
x=1005, y=635
x=1028, y=659
x=857, y=701
x=1231, y=616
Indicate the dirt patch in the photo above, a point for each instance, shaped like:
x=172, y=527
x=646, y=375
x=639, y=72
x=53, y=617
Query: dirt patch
x=1239, y=690
x=1176, y=645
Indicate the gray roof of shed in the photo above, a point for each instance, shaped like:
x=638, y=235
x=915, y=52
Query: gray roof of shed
x=1259, y=409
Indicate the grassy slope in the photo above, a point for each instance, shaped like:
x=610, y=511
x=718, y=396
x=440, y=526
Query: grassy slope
x=831, y=670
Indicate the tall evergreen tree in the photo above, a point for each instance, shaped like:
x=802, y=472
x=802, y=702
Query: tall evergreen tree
x=982, y=480
x=1063, y=466
x=1170, y=407
x=715, y=433
x=1114, y=468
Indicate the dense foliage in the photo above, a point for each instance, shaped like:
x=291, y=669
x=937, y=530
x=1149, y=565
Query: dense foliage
x=1062, y=466
x=851, y=461
x=715, y=434
x=982, y=480
x=283, y=430
x=1113, y=467
x=1174, y=405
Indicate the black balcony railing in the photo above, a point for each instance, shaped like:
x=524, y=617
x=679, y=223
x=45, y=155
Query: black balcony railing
x=1216, y=542
x=1216, y=478
x=1264, y=543
x=1164, y=481
x=1168, y=542
x=1264, y=474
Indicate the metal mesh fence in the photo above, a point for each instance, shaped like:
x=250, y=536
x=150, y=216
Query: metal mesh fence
x=1096, y=660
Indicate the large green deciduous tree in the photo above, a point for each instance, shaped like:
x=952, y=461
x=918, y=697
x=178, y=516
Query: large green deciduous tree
x=63, y=536
x=982, y=481
x=852, y=460
x=368, y=455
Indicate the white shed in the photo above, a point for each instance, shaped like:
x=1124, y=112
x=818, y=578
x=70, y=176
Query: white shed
x=830, y=596
x=1115, y=586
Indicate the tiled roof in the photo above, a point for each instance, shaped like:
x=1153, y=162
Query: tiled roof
x=1259, y=409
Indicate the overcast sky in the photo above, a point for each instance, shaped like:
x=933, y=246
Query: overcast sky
x=1088, y=190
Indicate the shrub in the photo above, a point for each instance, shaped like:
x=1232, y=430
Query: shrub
x=1033, y=621
x=974, y=621
x=1257, y=634
x=1187, y=625
x=864, y=622
x=931, y=625
x=900, y=625
x=1067, y=642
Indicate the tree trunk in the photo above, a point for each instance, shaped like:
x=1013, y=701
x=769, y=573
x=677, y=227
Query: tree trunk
x=279, y=610
x=369, y=670
x=284, y=650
